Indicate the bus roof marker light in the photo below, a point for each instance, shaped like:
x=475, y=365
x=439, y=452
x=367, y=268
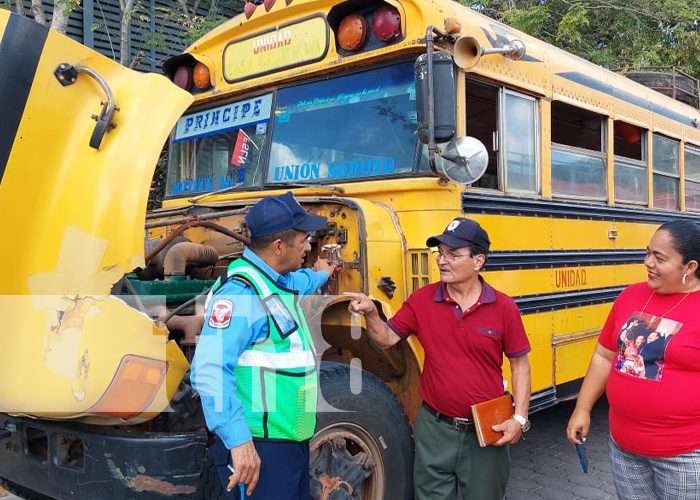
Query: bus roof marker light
x=201, y=76
x=248, y=9
x=268, y=4
x=452, y=25
x=468, y=51
x=352, y=32
x=386, y=23
x=183, y=77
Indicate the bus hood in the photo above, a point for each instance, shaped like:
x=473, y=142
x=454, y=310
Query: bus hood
x=74, y=190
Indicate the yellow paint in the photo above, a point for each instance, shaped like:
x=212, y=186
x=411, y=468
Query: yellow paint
x=83, y=226
x=572, y=360
x=79, y=229
x=388, y=222
x=291, y=45
x=535, y=281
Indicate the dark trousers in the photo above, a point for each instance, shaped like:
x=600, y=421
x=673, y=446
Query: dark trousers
x=448, y=459
x=284, y=470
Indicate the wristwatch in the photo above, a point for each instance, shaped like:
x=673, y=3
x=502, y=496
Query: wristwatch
x=522, y=421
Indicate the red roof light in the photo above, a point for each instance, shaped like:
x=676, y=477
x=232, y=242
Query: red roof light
x=248, y=9
x=386, y=23
x=183, y=77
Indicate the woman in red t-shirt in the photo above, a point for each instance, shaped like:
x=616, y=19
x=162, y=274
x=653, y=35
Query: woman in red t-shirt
x=654, y=409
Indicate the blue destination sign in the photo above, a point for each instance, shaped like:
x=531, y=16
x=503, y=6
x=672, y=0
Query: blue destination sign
x=228, y=117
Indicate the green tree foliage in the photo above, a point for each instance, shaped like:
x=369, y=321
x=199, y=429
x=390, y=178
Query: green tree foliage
x=617, y=34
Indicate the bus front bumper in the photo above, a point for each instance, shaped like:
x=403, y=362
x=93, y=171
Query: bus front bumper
x=78, y=461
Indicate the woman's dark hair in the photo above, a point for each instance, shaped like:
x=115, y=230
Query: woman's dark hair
x=686, y=240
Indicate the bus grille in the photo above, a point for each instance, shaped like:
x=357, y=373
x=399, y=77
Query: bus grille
x=420, y=269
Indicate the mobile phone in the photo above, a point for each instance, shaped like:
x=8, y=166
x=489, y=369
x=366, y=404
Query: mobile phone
x=581, y=452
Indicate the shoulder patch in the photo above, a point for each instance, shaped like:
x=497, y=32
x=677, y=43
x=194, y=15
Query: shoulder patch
x=221, y=312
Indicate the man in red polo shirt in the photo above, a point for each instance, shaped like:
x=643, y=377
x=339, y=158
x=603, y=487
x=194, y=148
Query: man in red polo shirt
x=465, y=327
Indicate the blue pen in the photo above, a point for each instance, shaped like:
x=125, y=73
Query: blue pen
x=241, y=487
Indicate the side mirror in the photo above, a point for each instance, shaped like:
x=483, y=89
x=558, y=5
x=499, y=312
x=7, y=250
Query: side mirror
x=464, y=160
x=443, y=97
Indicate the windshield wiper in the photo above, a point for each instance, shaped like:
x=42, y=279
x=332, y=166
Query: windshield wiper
x=211, y=193
x=333, y=189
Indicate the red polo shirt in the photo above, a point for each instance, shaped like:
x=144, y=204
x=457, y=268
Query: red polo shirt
x=463, y=349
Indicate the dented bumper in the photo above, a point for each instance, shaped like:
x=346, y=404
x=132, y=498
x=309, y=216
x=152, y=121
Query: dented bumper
x=85, y=462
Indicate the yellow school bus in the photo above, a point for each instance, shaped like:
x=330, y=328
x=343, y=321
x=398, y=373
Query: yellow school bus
x=390, y=118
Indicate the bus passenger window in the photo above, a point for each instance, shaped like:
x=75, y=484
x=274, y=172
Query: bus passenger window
x=692, y=178
x=578, y=153
x=630, y=163
x=666, y=172
x=512, y=145
x=482, y=123
x=519, y=147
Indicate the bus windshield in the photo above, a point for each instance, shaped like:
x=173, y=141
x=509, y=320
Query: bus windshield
x=352, y=127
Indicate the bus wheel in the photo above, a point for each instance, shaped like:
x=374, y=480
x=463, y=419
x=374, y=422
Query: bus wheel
x=363, y=448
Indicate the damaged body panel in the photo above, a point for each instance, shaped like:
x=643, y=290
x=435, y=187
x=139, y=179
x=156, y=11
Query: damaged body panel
x=81, y=224
x=74, y=418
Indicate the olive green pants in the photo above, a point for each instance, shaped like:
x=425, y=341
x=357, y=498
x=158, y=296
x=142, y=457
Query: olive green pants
x=448, y=458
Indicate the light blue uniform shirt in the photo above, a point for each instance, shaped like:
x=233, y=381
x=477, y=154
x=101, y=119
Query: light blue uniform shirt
x=218, y=349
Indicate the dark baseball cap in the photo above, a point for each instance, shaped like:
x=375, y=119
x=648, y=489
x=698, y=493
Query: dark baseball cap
x=462, y=232
x=274, y=214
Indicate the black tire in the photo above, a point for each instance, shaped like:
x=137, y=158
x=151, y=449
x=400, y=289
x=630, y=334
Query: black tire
x=21, y=491
x=366, y=451
x=209, y=487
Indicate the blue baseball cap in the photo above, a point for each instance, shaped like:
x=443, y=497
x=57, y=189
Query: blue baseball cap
x=274, y=214
x=462, y=232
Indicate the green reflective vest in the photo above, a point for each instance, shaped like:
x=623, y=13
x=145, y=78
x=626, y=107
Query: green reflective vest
x=276, y=377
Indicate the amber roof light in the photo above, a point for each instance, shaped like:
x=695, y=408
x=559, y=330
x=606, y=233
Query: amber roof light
x=201, y=76
x=352, y=32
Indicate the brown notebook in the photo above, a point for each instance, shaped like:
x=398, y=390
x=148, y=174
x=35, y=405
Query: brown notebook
x=488, y=413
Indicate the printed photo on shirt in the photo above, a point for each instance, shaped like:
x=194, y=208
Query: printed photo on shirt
x=641, y=344
x=280, y=315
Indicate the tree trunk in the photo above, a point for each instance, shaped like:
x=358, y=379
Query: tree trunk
x=19, y=7
x=127, y=7
x=61, y=12
x=37, y=12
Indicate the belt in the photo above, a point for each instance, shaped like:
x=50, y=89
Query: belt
x=462, y=424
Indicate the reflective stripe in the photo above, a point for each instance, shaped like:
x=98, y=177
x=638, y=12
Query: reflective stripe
x=277, y=360
x=295, y=343
x=253, y=274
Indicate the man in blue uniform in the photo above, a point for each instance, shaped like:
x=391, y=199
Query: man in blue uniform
x=254, y=366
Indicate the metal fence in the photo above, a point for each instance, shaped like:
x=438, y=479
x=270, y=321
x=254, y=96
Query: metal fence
x=154, y=34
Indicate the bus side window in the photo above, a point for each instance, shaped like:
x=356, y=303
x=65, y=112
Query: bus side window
x=578, y=153
x=692, y=177
x=506, y=123
x=519, y=142
x=665, y=159
x=482, y=123
x=630, y=163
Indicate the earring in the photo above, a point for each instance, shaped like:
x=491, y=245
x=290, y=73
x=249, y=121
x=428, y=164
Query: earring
x=685, y=276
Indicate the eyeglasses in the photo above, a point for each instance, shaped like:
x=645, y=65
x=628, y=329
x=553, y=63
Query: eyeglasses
x=449, y=256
